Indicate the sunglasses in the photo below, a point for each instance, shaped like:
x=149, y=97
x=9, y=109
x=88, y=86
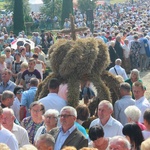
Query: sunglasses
x=19, y=92
x=7, y=51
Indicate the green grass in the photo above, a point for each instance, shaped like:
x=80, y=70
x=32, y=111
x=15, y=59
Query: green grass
x=117, y=1
x=2, y=5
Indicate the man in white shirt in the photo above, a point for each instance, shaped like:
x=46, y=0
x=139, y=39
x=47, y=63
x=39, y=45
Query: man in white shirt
x=19, y=132
x=141, y=102
x=6, y=136
x=118, y=70
x=52, y=100
x=126, y=51
x=111, y=126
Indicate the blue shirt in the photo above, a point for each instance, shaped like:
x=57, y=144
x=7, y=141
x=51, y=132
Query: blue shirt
x=81, y=129
x=28, y=97
x=62, y=137
x=9, y=86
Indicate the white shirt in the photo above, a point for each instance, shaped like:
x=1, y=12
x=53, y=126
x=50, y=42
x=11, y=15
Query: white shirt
x=119, y=71
x=20, y=134
x=16, y=108
x=39, y=132
x=146, y=134
x=142, y=104
x=53, y=101
x=126, y=50
x=9, y=139
x=111, y=128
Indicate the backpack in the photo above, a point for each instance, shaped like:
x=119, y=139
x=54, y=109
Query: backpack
x=147, y=48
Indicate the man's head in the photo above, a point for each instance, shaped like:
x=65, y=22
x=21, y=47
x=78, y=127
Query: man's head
x=68, y=116
x=8, y=118
x=146, y=117
x=126, y=41
x=118, y=62
x=125, y=89
x=119, y=143
x=31, y=64
x=7, y=51
x=37, y=50
x=45, y=142
x=7, y=98
x=118, y=38
x=34, y=82
x=138, y=90
x=53, y=85
x=105, y=109
x=18, y=91
x=6, y=75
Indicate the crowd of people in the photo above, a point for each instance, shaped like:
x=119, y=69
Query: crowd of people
x=49, y=123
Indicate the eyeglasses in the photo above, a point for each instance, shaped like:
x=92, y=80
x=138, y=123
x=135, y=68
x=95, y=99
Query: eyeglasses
x=37, y=111
x=49, y=117
x=7, y=51
x=65, y=116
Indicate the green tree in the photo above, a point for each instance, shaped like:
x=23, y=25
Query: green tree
x=26, y=8
x=52, y=8
x=67, y=8
x=86, y=4
x=18, y=17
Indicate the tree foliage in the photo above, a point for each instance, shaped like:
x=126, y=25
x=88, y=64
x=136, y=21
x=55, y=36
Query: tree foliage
x=26, y=8
x=18, y=17
x=52, y=8
x=86, y=4
x=67, y=9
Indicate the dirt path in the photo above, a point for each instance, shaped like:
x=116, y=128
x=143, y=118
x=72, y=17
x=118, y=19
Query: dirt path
x=145, y=76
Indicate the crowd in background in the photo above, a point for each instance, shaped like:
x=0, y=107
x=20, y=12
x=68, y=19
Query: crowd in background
x=49, y=123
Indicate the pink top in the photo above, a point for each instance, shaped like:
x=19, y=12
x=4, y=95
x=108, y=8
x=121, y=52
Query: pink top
x=63, y=90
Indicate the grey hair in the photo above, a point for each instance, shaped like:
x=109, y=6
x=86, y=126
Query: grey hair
x=118, y=37
x=122, y=139
x=136, y=72
x=47, y=138
x=7, y=48
x=133, y=113
x=37, y=103
x=7, y=94
x=52, y=112
x=112, y=43
x=9, y=110
x=71, y=109
x=28, y=147
x=106, y=102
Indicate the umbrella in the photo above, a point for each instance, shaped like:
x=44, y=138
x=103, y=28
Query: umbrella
x=22, y=42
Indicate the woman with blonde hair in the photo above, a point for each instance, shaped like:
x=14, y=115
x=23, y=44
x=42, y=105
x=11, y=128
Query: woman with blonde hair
x=134, y=76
